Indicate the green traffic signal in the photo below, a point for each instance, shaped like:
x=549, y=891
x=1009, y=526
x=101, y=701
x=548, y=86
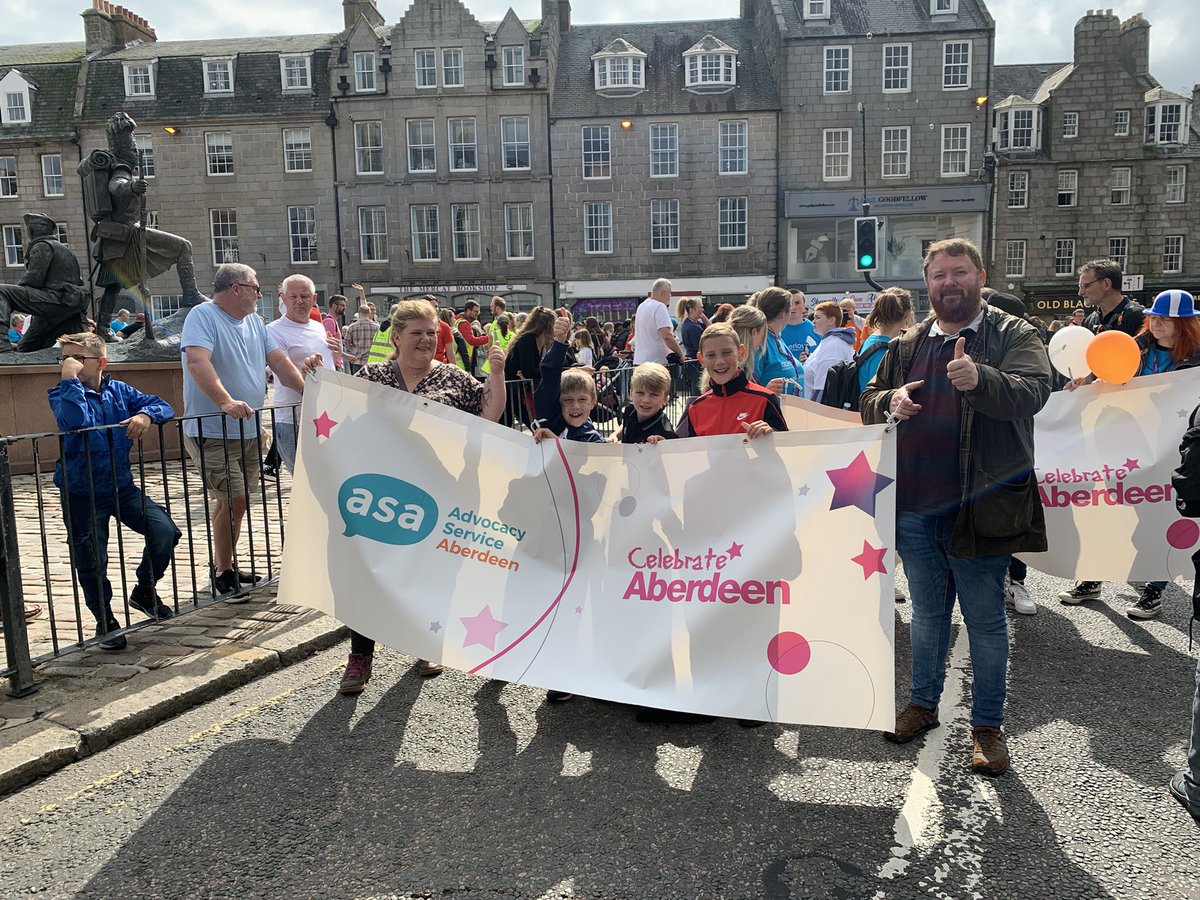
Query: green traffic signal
x=866, y=260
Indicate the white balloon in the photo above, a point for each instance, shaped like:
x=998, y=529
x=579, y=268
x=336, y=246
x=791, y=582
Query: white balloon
x=1068, y=351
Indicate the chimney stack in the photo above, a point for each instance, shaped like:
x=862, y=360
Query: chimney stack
x=107, y=26
x=1097, y=38
x=353, y=10
x=1135, y=44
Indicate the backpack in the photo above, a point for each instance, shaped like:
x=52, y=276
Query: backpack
x=841, y=383
x=1186, y=479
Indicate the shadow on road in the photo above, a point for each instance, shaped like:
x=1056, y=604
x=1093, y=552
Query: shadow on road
x=335, y=814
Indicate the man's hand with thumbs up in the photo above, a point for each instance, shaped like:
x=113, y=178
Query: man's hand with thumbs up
x=961, y=370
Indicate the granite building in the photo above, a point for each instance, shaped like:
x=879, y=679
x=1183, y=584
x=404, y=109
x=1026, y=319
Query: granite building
x=664, y=138
x=553, y=162
x=39, y=148
x=442, y=166
x=232, y=135
x=885, y=100
x=1094, y=158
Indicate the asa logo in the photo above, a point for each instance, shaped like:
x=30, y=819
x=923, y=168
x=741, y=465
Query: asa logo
x=387, y=510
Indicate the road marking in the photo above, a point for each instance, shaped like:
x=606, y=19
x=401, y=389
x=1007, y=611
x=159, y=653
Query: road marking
x=919, y=825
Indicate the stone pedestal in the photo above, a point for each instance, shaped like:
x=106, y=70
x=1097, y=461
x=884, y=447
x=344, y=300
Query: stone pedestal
x=24, y=409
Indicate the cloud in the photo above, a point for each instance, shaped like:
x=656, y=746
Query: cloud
x=1026, y=30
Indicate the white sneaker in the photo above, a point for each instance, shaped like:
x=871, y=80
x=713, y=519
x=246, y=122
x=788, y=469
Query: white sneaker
x=1018, y=595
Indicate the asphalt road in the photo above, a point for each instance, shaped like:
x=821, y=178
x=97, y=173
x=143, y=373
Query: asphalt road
x=458, y=787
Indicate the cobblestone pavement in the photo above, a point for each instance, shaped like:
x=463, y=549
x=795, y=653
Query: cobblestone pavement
x=48, y=580
x=461, y=787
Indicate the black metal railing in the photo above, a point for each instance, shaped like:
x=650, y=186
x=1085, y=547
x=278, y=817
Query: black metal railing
x=46, y=521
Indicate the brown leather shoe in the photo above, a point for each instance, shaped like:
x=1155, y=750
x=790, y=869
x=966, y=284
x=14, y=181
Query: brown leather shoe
x=427, y=669
x=357, y=674
x=991, y=751
x=911, y=722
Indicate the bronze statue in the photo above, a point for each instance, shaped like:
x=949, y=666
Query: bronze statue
x=51, y=289
x=126, y=252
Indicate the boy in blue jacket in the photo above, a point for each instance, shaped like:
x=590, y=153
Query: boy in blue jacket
x=96, y=481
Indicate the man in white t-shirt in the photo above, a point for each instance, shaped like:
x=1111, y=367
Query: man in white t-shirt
x=299, y=336
x=653, y=337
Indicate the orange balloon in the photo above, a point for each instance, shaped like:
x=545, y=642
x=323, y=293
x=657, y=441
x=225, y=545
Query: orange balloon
x=1114, y=356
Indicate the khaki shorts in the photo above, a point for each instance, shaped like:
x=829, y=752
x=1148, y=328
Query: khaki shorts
x=229, y=466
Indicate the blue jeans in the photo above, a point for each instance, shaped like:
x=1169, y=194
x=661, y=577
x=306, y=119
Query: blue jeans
x=285, y=439
x=935, y=577
x=89, y=541
x=1191, y=780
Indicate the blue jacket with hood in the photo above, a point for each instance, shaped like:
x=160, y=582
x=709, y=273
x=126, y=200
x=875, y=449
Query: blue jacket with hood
x=77, y=406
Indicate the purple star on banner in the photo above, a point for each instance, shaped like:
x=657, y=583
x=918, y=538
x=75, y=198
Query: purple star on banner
x=324, y=425
x=871, y=560
x=1132, y=464
x=735, y=550
x=579, y=610
x=482, y=628
x=857, y=485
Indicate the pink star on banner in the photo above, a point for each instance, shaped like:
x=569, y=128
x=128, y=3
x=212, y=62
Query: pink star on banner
x=1132, y=464
x=871, y=560
x=735, y=550
x=482, y=628
x=857, y=485
x=324, y=425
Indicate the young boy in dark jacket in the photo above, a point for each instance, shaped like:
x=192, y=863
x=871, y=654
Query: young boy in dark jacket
x=96, y=481
x=563, y=403
x=644, y=419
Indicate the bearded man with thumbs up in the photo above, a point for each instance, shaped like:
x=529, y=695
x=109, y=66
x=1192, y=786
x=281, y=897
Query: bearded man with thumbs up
x=962, y=389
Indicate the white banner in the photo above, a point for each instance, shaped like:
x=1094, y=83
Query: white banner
x=1105, y=454
x=751, y=580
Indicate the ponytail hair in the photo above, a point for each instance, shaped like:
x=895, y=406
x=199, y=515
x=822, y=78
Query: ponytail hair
x=892, y=307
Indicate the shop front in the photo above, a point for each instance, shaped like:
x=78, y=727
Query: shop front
x=819, y=233
x=517, y=297
x=616, y=299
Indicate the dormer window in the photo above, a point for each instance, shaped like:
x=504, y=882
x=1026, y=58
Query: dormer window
x=620, y=72
x=711, y=63
x=218, y=76
x=816, y=9
x=943, y=7
x=139, y=79
x=15, y=103
x=295, y=72
x=1017, y=126
x=620, y=68
x=1166, y=117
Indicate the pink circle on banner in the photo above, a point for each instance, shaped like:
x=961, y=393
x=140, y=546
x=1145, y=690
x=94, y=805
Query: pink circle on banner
x=1183, y=534
x=788, y=653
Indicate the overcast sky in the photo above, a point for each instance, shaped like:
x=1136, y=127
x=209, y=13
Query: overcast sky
x=1026, y=30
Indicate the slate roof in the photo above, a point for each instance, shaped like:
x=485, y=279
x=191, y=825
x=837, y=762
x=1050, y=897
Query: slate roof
x=284, y=43
x=53, y=103
x=19, y=55
x=1023, y=80
x=885, y=18
x=179, y=89
x=664, y=44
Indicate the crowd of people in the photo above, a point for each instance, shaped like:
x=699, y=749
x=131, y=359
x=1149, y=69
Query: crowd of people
x=961, y=388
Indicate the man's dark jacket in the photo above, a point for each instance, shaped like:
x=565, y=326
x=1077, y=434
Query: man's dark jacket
x=1001, y=510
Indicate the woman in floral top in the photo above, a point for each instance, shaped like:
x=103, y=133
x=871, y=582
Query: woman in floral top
x=413, y=368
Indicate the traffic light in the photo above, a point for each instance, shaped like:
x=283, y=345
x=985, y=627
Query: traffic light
x=866, y=231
